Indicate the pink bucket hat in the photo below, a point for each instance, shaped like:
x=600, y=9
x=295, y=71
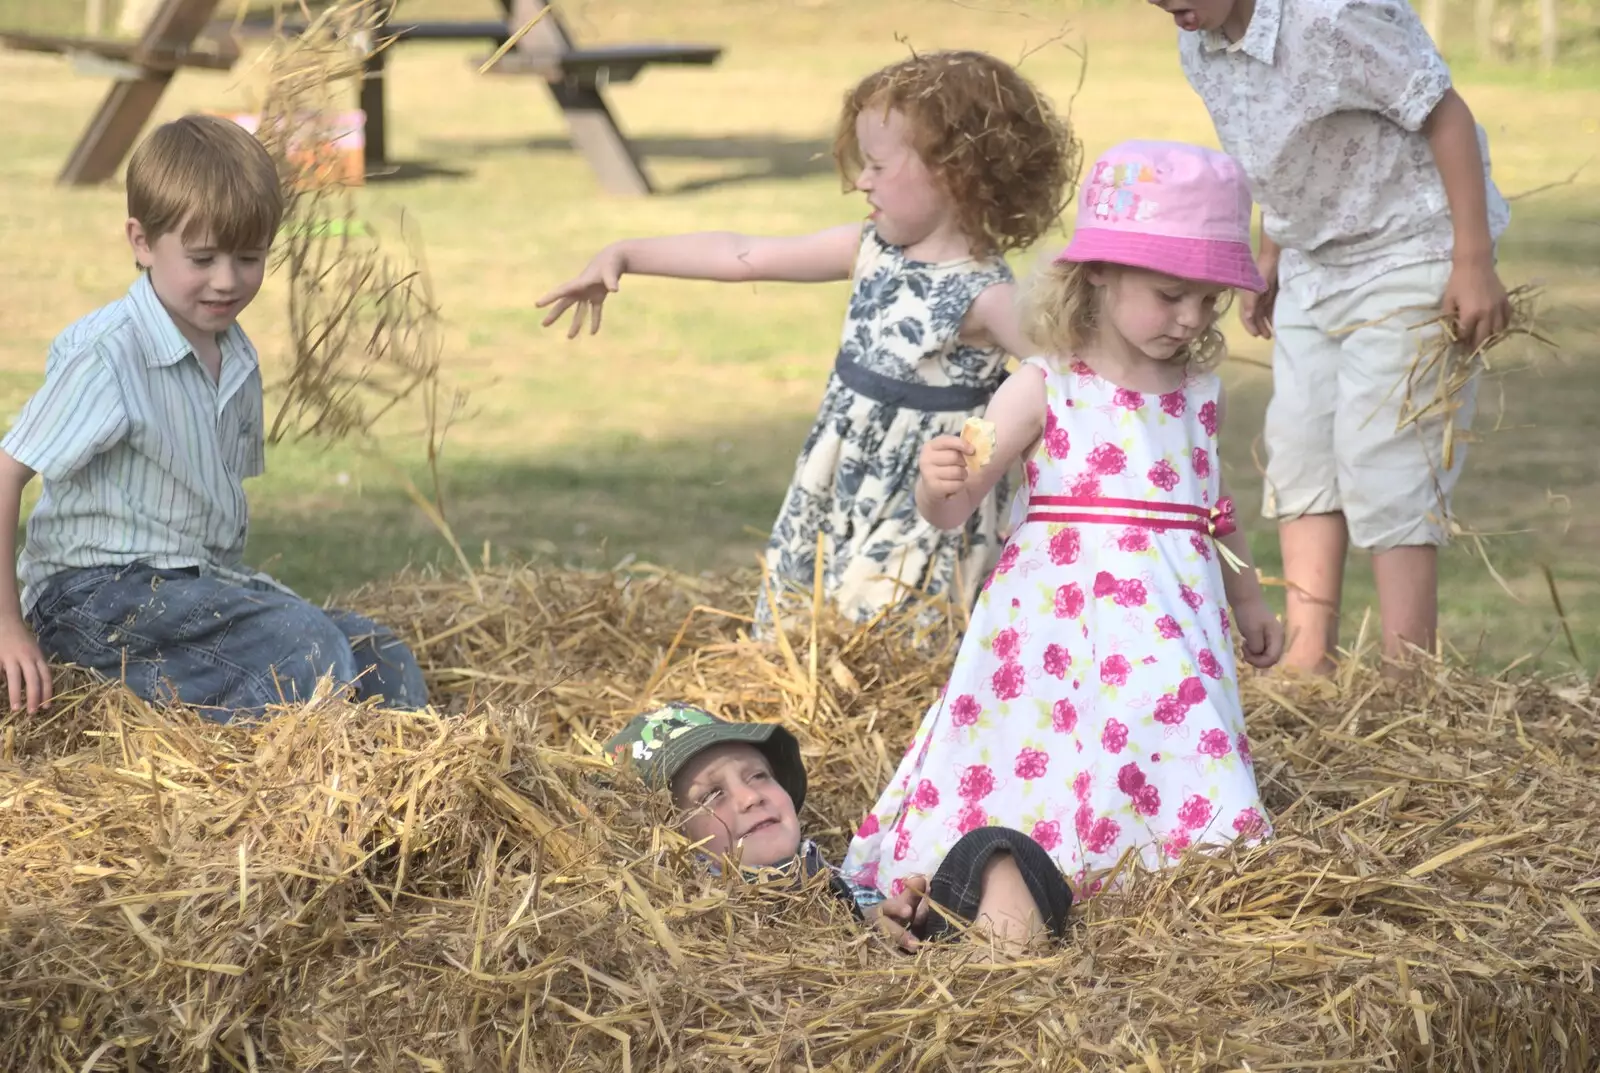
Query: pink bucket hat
x=1168, y=207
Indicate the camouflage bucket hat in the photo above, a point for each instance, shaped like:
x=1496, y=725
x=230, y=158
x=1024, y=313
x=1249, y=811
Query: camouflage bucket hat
x=660, y=742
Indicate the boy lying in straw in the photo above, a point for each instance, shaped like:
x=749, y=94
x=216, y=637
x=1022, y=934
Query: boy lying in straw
x=744, y=784
x=149, y=420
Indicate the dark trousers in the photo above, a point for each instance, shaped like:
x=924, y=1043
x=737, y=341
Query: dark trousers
x=226, y=649
x=958, y=883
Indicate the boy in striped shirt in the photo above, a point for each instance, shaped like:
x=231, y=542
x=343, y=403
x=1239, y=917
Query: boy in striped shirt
x=149, y=420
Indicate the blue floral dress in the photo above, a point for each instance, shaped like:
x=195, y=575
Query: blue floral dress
x=903, y=376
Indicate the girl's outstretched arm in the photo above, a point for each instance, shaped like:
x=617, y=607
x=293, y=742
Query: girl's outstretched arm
x=1258, y=626
x=947, y=491
x=721, y=256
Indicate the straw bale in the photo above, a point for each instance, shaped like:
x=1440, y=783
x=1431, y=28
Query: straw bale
x=350, y=888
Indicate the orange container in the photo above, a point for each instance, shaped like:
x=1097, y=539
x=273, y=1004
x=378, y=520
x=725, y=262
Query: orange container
x=328, y=148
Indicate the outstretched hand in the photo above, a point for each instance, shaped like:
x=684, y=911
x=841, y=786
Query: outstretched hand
x=586, y=293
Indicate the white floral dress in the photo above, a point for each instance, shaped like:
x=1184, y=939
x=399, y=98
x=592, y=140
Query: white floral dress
x=1093, y=703
x=902, y=377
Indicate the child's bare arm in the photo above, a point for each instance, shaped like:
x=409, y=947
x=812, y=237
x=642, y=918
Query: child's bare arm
x=947, y=493
x=26, y=672
x=1474, y=296
x=1257, y=625
x=993, y=319
x=1256, y=310
x=727, y=257
x=719, y=256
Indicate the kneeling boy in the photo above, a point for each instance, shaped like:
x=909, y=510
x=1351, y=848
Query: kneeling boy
x=744, y=784
x=149, y=419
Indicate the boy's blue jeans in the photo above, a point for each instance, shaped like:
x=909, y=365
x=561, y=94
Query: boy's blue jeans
x=225, y=648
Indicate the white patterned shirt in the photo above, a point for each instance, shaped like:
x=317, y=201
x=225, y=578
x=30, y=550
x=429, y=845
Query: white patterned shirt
x=142, y=454
x=1322, y=102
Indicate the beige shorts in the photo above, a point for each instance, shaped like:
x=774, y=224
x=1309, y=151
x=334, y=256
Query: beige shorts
x=1347, y=382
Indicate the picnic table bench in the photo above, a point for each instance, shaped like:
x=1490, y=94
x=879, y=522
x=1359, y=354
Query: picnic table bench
x=183, y=33
x=576, y=78
x=140, y=70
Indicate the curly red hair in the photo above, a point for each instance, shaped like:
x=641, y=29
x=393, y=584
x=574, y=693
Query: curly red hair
x=989, y=137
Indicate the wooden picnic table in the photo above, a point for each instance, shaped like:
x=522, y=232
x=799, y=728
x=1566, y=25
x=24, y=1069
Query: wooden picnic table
x=177, y=37
x=576, y=78
x=140, y=70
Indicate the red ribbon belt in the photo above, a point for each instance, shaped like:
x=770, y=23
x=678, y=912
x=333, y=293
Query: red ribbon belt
x=1217, y=521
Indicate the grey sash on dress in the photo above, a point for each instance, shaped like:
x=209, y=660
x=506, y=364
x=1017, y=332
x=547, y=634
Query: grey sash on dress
x=930, y=398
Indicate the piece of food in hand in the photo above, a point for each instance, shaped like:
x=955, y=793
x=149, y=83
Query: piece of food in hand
x=980, y=434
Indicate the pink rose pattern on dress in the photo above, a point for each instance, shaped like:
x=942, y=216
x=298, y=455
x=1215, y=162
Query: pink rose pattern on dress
x=1163, y=476
x=1065, y=547
x=1032, y=763
x=1134, y=540
x=1094, y=703
x=1069, y=600
x=1056, y=661
x=977, y=783
x=1056, y=443
x=1009, y=681
x=1064, y=719
x=1107, y=460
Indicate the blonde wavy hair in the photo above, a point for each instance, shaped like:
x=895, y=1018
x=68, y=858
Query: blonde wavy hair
x=1061, y=314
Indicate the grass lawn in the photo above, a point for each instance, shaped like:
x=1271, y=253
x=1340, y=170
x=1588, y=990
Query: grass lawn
x=671, y=435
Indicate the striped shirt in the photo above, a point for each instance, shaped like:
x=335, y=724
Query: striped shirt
x=142, y=454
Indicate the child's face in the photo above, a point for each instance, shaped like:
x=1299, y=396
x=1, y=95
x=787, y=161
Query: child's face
x=1157, y=314
x=907, y=203
x=732, y=795
x=204, y=289
x=1197, y=14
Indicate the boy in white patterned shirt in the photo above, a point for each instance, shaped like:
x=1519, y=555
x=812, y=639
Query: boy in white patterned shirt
x=149, y=420
x=1377, y=214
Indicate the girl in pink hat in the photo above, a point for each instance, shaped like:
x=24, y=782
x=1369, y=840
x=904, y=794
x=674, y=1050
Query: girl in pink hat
x=1094, y=703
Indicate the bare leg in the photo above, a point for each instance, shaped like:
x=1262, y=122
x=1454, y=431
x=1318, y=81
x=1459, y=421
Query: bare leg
x=1007, y=912
x=1408, y=599
x=1314, y=547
